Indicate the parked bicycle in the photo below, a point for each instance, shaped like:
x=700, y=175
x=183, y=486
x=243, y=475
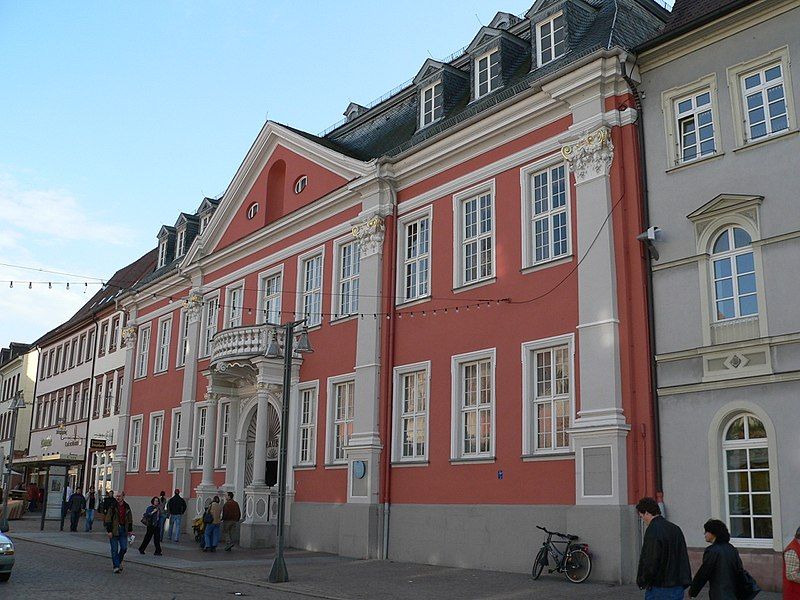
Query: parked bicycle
x=574, y=560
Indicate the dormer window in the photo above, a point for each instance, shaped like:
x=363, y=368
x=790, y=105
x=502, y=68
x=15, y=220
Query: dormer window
x=487, y=73
x=162, y=253
x=432, y=106
x=179, y=248
x=204, y=221
x=551, y=39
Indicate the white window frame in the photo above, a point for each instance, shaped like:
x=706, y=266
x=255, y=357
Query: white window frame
x=252, y=211
x=478, y=70
x=175, y=425
x=307, y=423
x=428, y=117
x=339, y=281
x=154, y=441
x=163, y=342
x=234, y=305
x=459, y=265
x=183, y=335
x=526, y=178
x=301, y=290
x=736, y=76
x=400, y=373
x=457, y=453
x=162, y=252
x=223, y=433
x=300, y=184
x=209, y=326
x=730, y=255
x=669, y=107
x=142, y=350
x=539, y=26
x=200, y=423
x=135, y=444
x=274, y=303
x=529, y=350
x=693, y=114
x=180, y=243
x=205, y=219
x=414, y=218
x=330, y=443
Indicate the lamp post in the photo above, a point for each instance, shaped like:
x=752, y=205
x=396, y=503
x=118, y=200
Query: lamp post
x=17, y=402
x=278, y=572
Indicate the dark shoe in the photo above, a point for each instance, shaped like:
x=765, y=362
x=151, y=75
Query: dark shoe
x=141, y=551
x=117, y=570
x=213, y=548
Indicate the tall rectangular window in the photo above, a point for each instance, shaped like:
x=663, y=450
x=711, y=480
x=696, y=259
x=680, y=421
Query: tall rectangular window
x=311, y=291
x=473, y=405
x=431, y=105
x=551, y=398
x=201, y=436
x=549, y=215
x=477, y=238
x=90, y=345
x=487, y=73
x=113, y=341
x=98, y=398
x=210, y=314
x=135, y=444
x=162, y=253
x=234, y=309
x=109, y=397
x=103, y=341
x=118, y=395
x=57, y=362
x=551, y=38
x=765, y=101
x=156, y=433
x=695, y=126
x=142, y=351
x=81, y=348
x=343, y=415
x=162, y=356
x=224, y=432
x=85, y=401
x=72, y=347
x=179, y=246
x=271, y=304
x=412, y=413
x=416, y=258
x=349, y=266
x=308, y=413
x=183, y=340
x=174, y=435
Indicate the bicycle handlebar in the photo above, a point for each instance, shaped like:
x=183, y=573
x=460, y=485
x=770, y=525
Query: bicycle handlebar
x=566, y=536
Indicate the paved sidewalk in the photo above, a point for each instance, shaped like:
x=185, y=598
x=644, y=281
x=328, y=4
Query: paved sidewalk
x=320, y=575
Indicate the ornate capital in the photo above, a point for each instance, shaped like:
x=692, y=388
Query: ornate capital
x=369, y=234
x=129, y=336
x=194, y=306
x=591, y=155
x=213, y=397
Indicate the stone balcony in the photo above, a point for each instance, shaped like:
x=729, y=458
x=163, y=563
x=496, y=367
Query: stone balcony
x=241, y=342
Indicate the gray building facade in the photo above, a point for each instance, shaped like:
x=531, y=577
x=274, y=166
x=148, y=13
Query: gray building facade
x=719, y=90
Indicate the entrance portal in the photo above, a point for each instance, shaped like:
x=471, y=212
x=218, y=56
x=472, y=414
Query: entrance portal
x=273, y=438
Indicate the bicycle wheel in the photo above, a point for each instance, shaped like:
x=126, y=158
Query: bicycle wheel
x=538, y=563
x=578, y=566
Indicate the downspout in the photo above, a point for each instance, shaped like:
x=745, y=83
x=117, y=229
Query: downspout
x=388, y=375
x=89, y=416
x=651, y=329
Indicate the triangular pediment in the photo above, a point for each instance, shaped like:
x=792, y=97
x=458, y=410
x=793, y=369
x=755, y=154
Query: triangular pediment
x=274, y=140
x=183, y=219
x=504, y=20
x=208, y=205
x=484, y=36
x=724, y=203
x=429, y=68
x=165, y=231
x=541, y=5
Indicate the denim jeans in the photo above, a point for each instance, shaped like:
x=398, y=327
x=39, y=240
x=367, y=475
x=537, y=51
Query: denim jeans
x=89, y=518
x=175, y=522
x=670, y=593
x=212, y=535
x=119, y=546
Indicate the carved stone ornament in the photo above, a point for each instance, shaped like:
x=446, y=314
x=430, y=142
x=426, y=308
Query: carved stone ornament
x=591, y=155
x=213, y=397
x=129, y=336
x=370, y=235
x=194, y=306
x=222, y=367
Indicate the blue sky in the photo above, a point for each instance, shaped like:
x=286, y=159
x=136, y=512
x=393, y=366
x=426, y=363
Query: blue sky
x=115, y=117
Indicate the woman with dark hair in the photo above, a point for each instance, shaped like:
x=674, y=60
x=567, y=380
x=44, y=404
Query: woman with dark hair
x=151, y=519
x=722, y=567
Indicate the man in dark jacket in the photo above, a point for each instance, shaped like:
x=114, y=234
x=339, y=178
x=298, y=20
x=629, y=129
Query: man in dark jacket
x=119, y=523
x=176, y=506
x=108, y=501
x=664, y=570
x=76, y=504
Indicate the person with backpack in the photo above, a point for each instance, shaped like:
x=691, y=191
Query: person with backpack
x=212, y=519
x=151, y=520
x=176, y=506
x=722, y=567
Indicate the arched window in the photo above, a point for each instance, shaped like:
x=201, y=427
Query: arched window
x=252, y=210
x=748, y=493
x=734, y=273
x=300, y=184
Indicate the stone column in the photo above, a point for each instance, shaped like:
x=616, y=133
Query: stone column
x=182, y=462
x=120, y=462
x=262, y=424
x=600, y=429
x=207, y=488
x=230, y=465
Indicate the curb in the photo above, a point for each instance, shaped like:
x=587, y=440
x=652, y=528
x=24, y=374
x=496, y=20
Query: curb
x=260, y=584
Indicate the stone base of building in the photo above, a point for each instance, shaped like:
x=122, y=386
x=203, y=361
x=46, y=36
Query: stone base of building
x=764, y=564
x=257, y=535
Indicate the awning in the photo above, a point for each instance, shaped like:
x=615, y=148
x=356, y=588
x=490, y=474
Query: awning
x=56, y=459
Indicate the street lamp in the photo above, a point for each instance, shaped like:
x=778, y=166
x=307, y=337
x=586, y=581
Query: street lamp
x=17, y=402
x=278, y=572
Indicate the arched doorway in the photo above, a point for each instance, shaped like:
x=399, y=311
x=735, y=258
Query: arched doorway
x=273, y=438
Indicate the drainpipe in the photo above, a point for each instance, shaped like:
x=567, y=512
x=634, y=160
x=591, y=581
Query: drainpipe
x=651, y=329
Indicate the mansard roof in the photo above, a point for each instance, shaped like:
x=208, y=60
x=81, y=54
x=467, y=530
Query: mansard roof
x=691, y=14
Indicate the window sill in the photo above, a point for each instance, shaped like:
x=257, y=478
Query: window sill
x=335, y=466
x=305, y=467
x=410, y=463
x=478, y=460
x=160, y=373
x=766, y=139
x=343, y=319
x=546, y=264
x=413, y=302
x=538, y=457
x=476, y=284
x=697, y=161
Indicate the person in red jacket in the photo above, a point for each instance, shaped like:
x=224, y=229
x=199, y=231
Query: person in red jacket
x=791, y=569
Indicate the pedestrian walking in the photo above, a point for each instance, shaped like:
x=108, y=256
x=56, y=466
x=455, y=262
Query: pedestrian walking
x=75, y=506
x=151, y=519
x=231, y=514
x=108, y=501
x=664, y=571
x=162, y=505
x=119, y=523
x=791, y=569
x=721, y=568
x=212, y=527
x=176, y=506
x=91, y=503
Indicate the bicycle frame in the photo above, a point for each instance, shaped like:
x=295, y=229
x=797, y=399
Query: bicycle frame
x=560, y=556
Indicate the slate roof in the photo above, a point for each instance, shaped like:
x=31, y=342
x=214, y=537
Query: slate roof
x=391, y=127
x=14, y=350
x=122, y=280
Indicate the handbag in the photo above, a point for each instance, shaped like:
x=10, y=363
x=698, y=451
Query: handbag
x=208, y=517
x=746, y=586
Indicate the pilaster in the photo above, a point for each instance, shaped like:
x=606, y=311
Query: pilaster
x=120, y=462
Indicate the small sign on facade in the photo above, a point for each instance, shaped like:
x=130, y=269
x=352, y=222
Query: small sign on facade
x=97, y=444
